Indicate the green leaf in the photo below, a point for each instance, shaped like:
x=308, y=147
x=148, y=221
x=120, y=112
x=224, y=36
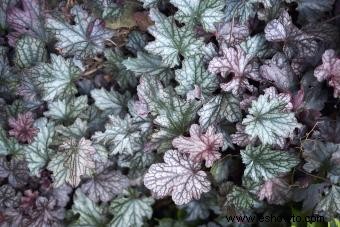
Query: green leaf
x=8, y=145
x=29, y=51
x=112, y=102
x=90, y=214
x=130, y=212
x=330, y=205
x=173, y=122
x=136, y=42
x=77, y=130
x=67, y=110
x=193, y=73
x=218, y=108
x=150, y=3
x=269, y=120
x=203, y=12
x=240, y=199
x=57, y=78
x=255, y=46
x=115, y=66
x=148, y=64
x=83, y=39
x=38, y=152
x=75, y=159
x=121, y=135
x=241, y=10
x=171, y=40
x=263, y=163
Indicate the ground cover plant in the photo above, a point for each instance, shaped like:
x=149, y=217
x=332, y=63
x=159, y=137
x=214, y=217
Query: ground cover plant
x=127, y=113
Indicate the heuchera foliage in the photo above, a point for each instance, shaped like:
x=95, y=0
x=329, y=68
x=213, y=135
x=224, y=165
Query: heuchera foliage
x=128, y=113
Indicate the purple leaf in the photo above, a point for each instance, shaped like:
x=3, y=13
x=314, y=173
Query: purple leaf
x=330, y=71
x=200, y=146
x=29, y=20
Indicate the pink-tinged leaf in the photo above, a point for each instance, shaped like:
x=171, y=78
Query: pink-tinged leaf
x=330, y=70
x=29, y=20
x=178, y=176
x=275, y=191
x=283, y=97
x=241, y=138
x=22, y=127
x=200, y=146
x=196, y=93
x=232, y=33
x=279, y=30
x=238, y=62
x=278, y=71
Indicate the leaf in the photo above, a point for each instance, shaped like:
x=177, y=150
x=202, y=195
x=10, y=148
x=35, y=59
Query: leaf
x=4, y=8
x=57, y=78
x=77, y=130
x=263, y=163
x=196, y=210
x=15, y=170
x=330, y=70
x=231, y=33
x=8, y=145
x=8, y=197
x=30, y=20
x=90, y=214
x=278, y=71
x=173, y=122
x=115, y=66
x=67, y=110
x=312, y=10
x=269, y=120
x=275, y=190
x=237, y=61
x=256, y=46
x=111, y=102
x=193, y=73
x=83, y=39
x=129, y=211
x=121, y=135
x=29, y=51
x=22, y=127
x=170, y=40
x=136, y=42
x=148, y=64
x=46, y=213
x=240, y=199
x=105, y=185
x=38, y=152
x=178, y=177
x=279, y=30
x=330, y=204
x=241, y=138
x=150, y=3
x=218, y=108
x=205, y=13
x=74, y=160
x=241, y=10
x=318, y=155
x=200, y=146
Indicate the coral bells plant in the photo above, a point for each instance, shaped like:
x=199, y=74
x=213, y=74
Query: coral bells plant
x=130, y=113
